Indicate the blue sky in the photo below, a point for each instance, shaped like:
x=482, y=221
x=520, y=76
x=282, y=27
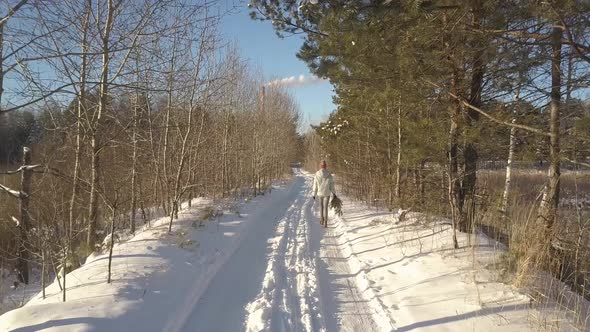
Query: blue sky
x=276, y=58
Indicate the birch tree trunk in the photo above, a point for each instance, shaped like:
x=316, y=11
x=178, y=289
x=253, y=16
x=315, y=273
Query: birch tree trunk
x=81, y=108
x=508, y=178
x=154, y=149
x=399, y=152
x=43, y=271
x=64, y=264
x=390, y=189
x=511, y=147
x=134, y=164
x=454, y=178
x=112, y=242
x=454, y=184
x=96, y=143
x=167, y=199
x=23, y=251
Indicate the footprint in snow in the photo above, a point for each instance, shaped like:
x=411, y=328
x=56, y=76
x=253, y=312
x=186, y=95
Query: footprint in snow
x=149, y=248
x=394, y=307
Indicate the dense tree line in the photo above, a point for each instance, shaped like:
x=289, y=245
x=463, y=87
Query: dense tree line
x=428, y=90
x=16, y=130
x=125, y=110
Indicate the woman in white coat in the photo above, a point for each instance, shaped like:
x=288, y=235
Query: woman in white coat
x=323, y=186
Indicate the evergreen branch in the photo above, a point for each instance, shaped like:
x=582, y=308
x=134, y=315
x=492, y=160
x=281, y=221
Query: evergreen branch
x=485, y=114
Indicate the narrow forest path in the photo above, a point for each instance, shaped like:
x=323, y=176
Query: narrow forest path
x=288, y=274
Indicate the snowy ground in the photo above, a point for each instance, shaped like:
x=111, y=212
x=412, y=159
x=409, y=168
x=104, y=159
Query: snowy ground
x=272, y=267
x=409, y=271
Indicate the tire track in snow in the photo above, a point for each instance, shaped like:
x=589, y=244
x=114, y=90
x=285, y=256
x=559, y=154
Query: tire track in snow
x=259, y=311
x=352, y=311
x=367, y=295
x=221, y=299
x=306, y=277
x=289, y=298
x=286, y=309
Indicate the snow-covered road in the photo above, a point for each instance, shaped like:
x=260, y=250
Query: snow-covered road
x=288, y=274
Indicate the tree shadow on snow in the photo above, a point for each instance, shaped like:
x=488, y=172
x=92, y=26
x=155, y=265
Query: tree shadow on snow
x=467, y=315
x=92, y=321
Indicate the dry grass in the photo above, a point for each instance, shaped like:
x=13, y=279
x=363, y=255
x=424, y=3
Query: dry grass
x=557, y=276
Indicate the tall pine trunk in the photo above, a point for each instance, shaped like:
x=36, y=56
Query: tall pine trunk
x=548, y=208
x=112, y=242
x=470, y=155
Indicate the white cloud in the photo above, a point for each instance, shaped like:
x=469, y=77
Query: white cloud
x=296, y=81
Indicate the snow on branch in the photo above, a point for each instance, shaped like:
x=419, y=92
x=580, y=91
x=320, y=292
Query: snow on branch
x=22, y=168
x=14, y=193
x=577, y=162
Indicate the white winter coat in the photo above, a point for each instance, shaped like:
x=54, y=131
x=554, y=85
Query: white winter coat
x=323, y=183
